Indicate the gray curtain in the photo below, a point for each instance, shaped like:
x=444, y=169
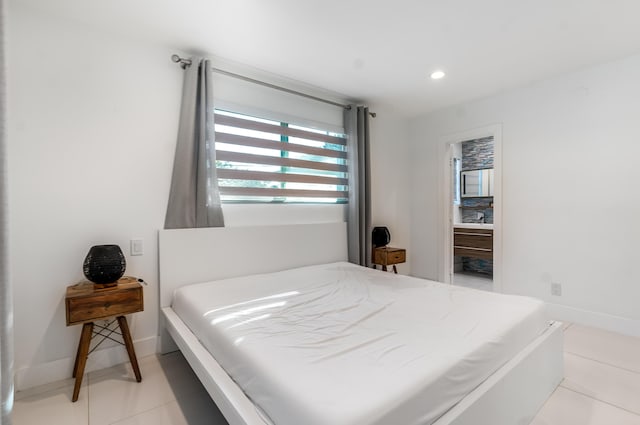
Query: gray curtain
x=194, y=199
x=6, y=297
x=356, y=122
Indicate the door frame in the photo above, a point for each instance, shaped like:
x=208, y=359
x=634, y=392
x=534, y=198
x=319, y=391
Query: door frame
x=445, y=269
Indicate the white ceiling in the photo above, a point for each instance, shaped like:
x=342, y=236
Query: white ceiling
x=383, y=51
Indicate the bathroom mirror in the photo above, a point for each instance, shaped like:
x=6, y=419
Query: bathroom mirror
x=476, y=183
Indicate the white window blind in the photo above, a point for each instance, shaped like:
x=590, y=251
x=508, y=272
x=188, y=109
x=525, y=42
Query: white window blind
x=260, y=160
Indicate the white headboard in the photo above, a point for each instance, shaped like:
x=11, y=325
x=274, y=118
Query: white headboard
x=200, y=255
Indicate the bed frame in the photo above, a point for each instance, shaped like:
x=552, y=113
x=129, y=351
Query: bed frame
x=511, y=396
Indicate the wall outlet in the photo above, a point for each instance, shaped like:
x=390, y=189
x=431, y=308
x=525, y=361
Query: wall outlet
x=136, y=247
x=556, y=289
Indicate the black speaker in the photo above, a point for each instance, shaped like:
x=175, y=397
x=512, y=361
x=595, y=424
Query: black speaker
x=380, y=236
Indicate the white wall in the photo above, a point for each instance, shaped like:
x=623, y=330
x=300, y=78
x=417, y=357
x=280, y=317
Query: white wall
x=92, y=126
x=570, y=202
x=390, y=177
x=92, y=130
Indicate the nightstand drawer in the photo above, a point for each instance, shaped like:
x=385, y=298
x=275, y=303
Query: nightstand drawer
x=111, y=302
x=387, y=256
x=395, y=257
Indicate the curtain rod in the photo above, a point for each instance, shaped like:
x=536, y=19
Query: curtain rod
x=185, y=63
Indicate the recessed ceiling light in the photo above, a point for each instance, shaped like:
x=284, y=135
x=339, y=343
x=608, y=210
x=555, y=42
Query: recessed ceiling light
x=436, y=75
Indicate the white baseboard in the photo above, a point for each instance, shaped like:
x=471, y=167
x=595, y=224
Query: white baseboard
x=605, y=321
x=57, y=370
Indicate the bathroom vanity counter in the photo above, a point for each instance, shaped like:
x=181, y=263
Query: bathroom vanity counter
x=473, y=240
x=487, y=226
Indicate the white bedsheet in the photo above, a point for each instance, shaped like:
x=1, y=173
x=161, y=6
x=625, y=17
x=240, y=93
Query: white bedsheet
x=340, y=344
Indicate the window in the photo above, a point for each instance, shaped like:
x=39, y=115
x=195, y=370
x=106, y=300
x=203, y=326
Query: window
x=259, y=160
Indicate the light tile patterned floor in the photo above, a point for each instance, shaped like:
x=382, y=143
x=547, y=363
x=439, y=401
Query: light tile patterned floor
x=601, y=387
x=601, y=383
x=473, y=280
x=169, y=394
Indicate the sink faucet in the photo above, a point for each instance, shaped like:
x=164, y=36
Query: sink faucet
x=480, y=217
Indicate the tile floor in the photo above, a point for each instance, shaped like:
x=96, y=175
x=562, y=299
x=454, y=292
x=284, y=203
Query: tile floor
x=169, y=394
x=601, y=387
x=473, y=280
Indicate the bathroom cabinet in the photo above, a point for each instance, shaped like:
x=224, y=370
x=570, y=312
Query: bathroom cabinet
x=475, y=243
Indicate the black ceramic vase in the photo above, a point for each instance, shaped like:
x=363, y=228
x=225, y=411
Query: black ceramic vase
x=380, y=236
x=104, y=264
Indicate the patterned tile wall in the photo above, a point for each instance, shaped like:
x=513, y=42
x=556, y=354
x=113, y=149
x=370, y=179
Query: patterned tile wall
x=477, y=154
x=471, y=215
x=477, y=265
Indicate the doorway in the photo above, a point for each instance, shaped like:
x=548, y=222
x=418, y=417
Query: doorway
x=471, y=209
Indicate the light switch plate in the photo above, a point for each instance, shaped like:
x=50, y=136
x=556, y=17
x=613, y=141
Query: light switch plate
x=137, y=247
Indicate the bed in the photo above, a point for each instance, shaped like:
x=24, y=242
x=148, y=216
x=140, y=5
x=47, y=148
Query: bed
x=398, y=334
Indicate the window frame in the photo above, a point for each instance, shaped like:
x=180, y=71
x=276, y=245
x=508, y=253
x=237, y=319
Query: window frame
x=311, y=164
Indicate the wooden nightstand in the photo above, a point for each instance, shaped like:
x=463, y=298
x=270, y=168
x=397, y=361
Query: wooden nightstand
x=85, y=303
x=387, y=256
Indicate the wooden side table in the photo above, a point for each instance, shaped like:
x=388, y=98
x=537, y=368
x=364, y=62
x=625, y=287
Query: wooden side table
x=85, y=303
x=387, y=256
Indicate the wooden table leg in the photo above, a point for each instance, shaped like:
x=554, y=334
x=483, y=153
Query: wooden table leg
x=394, y=269
x=81, y=357
x=384, y=268
x=128, y=342
x=75, y=364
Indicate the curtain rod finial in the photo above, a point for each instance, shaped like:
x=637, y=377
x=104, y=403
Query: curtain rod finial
x=184, y=63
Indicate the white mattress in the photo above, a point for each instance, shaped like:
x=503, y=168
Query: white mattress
x=340, y=344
